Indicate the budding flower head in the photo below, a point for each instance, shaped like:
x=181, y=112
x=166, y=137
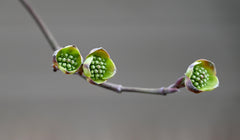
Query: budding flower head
x=201, y=76
x=67, y=59
x=98, y=66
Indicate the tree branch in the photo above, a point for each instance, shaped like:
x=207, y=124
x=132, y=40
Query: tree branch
x=110, y=86
x=42, y=26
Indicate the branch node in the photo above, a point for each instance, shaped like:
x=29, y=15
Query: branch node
x=119, y=89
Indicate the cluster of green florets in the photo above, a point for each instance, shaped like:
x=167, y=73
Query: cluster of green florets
x=199, y=77
x=97, y=67
x=67, y=61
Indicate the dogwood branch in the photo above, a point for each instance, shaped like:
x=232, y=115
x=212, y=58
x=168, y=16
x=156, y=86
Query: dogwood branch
x=107, y=85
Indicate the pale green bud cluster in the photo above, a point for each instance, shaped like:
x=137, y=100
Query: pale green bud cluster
x=199, y=77
x=67, y=61
x=97, y=67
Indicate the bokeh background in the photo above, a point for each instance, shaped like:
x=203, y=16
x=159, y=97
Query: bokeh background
x=152, y=43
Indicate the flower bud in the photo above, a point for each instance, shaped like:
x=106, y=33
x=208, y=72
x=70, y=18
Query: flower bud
x=67, y=59
x=98, y=66
x=201, y=76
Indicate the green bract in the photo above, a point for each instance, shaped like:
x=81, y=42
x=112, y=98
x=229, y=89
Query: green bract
x=67, y=59
x=98, y=66
x=201, y=76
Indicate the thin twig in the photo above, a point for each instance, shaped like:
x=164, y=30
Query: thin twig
x=43, y=27
x=110, y=86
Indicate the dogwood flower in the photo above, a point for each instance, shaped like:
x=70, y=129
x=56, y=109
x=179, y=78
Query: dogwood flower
x=67, y=59
x=98, y=66
x=201, y=76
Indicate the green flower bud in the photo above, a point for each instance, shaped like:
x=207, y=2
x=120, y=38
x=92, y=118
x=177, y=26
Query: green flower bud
x=67, y=59
x=94, y=68
x=201, y=76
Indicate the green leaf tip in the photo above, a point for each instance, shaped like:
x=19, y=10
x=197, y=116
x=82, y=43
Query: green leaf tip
x=68, y=59
x=98, y=66
x=201, y=76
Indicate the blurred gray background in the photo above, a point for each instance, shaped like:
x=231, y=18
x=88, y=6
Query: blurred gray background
x=152, y=43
